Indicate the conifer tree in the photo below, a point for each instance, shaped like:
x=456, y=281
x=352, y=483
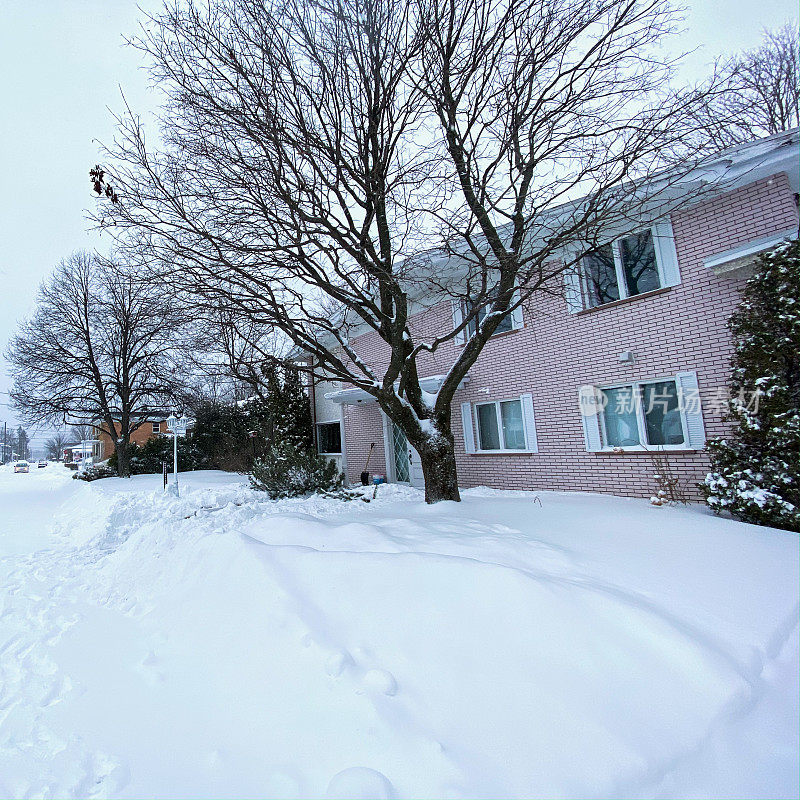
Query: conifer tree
x=295, y=410
x=755, y=471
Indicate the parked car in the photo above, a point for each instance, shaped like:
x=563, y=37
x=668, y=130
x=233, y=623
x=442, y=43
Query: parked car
x=22, y=466
x=42, y=463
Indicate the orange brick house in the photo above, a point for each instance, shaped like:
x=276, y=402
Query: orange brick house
x=147, y=430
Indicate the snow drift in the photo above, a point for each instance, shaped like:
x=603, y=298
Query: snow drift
x=223, y=645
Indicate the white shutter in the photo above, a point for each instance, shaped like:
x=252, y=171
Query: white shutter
x=458, y=318
x=590, y=417
x=530, y=423
x=691, y=410
x=572, y=289
x=517, y=321
x=466, y=422
x=664, y=243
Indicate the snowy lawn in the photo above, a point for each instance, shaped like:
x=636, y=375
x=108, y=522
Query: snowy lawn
x=221, y=645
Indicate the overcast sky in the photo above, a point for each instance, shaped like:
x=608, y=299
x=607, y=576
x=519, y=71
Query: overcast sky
x=63, y=64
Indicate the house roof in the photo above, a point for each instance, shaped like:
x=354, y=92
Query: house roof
x=711, y=176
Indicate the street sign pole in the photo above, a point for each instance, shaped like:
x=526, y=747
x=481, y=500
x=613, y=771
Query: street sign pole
x=178, y=428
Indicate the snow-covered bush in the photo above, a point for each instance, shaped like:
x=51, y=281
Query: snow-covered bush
x=286, y=471
x=95, y=473
x=755, y=471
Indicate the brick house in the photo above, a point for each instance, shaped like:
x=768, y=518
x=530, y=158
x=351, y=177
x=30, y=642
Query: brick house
x=643, y=317
x=147, y=430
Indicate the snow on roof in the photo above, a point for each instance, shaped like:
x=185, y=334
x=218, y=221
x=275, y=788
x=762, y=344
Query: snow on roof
x=425, y=272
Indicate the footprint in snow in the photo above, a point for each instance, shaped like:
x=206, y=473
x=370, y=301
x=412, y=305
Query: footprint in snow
x=338, y=663
x=57, y=692
x=380, y=681
x=148, y=669
x=360, y=783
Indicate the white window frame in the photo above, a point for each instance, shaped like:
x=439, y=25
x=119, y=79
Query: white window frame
x=666, y=265
x=643, y=445
x=156, y=427
x=530, y=435
x=341, y=436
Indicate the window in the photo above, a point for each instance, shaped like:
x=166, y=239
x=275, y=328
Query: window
x=502, y=426
x=329, y=438
x=156, y=427
x=646, y=413
x=511, y=322
x=634, y=264
x=624, y=268
x=506, y=324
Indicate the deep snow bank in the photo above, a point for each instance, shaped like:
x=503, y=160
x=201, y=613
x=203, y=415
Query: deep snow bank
x=220, y=644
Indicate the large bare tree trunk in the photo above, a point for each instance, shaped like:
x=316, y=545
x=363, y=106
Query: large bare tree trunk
x=123, y=458
x=438, y=461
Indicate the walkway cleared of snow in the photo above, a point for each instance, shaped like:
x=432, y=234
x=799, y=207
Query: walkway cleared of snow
x=224, y=645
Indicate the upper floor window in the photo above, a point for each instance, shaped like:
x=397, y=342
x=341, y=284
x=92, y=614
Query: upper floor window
x=634, y=264
x=506, y=324
x=464, y=308
x=156, y=427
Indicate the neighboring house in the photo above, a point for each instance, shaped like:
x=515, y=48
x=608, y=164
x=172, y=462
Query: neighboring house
x=147, y=430
x=645, y=316
x=90, y=448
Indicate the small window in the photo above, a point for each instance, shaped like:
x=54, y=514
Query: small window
x=624, y=268
x=642, y=414
x=156, y=427
x=329, y=438
x=500, y=425
x=506, y=324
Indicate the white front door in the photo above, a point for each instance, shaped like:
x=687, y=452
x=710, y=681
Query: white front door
x=416, y=478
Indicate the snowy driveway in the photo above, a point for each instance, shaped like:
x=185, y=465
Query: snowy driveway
x=223, y=645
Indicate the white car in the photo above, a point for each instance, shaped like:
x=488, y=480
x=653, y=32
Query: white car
x=22, y=466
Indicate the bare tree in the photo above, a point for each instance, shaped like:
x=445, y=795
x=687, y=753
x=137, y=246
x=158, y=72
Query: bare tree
x=331, y=168
x=96, y=351
x=759, y=92
x=54, y=446
x=229, y=356
x=81, y=433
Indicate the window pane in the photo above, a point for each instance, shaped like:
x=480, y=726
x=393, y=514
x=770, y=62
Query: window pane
x=513, y=429
x=601, y=276
x=639, y=263
x=661, y=413
x=400, y=447
x=505, y=324
x=619, y=416
x=487, y=427
x=330, y=437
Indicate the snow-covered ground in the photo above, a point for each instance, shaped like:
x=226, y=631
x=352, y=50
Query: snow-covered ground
x=223, y=645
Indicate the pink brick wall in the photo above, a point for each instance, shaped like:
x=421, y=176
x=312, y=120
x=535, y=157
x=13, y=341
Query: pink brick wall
x=682, y=328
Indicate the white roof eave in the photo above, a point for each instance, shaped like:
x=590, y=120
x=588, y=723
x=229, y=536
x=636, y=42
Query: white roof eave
x=352, y=397
x=731, y=260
